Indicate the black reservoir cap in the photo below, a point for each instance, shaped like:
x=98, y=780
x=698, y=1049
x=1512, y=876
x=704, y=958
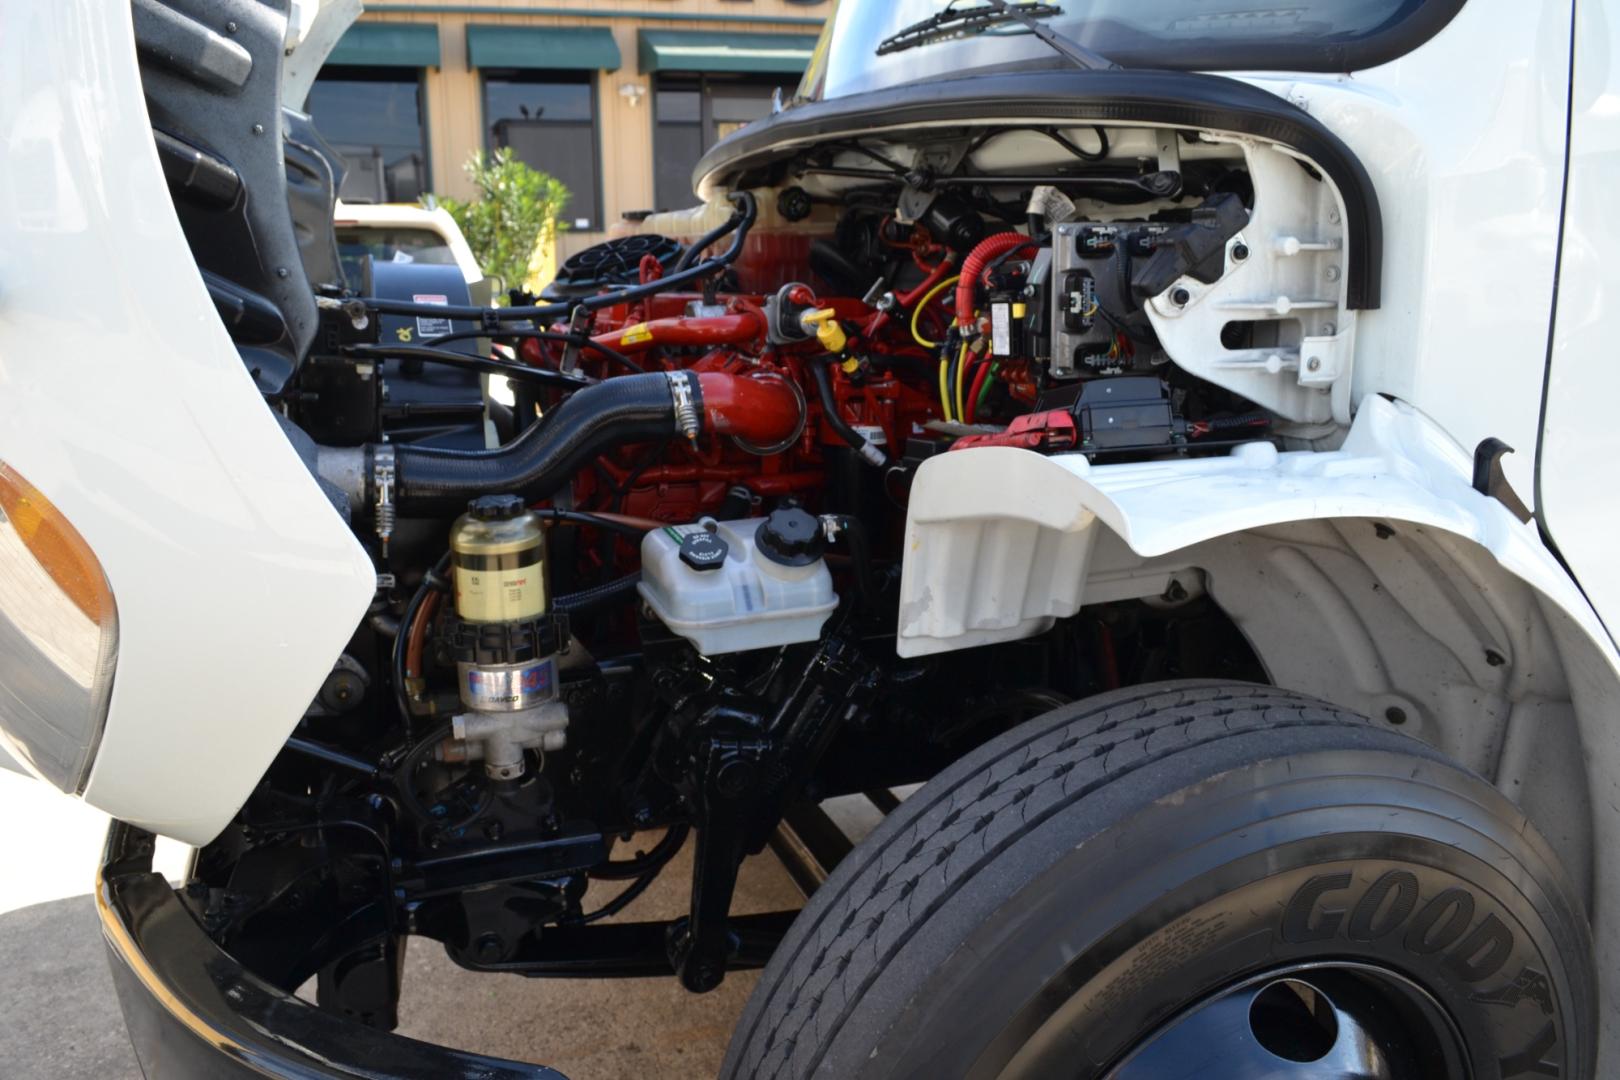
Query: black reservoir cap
x=496, y=507
x=791, y=537
x=703, y=550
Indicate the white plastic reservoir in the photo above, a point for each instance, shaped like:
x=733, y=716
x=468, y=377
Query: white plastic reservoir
x=713, y=584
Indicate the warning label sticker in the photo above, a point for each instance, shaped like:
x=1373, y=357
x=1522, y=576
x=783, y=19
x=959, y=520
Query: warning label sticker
x=1001, y=329
x=428, y=326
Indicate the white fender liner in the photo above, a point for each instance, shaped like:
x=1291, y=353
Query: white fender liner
x=998, y=540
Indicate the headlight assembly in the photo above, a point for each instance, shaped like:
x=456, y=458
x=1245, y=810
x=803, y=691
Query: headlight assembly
x=58, y=638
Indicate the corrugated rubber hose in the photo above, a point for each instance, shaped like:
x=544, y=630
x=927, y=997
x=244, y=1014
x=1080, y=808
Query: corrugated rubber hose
x=627, y=409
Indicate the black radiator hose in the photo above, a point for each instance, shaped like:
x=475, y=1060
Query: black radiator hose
x=626, y=409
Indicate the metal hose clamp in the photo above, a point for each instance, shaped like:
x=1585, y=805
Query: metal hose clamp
x=382, y=480
x=686, y=417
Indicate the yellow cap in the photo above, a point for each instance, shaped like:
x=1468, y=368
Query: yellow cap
x=850, y=366
x=1020, y=310
x=828, y=332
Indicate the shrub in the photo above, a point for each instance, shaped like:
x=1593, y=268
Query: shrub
x=516, y=206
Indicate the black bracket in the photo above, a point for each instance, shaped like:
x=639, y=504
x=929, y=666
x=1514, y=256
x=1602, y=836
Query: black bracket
x=750, y=769
x=701, y=945
x=1489, y=479
x=633, y=950
x=1197, y=248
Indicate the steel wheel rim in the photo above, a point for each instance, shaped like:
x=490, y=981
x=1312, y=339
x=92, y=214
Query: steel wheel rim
x=1325, y=1020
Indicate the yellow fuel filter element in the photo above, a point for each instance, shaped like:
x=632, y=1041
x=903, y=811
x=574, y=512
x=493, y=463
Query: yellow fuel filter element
x=498, y=554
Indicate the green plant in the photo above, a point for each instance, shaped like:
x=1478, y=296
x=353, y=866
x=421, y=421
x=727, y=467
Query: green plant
x=516, y=206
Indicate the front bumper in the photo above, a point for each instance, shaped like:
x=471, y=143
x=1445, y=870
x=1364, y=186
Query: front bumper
x=193, y=1011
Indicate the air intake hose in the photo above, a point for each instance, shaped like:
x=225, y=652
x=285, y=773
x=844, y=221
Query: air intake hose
x=627, y=409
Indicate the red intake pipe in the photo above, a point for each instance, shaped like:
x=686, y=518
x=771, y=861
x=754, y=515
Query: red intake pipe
x=684, y=331
x=762, y=408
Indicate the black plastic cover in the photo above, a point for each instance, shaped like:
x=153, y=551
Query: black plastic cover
x=427, y=403
x=1196, y=248
x=1127, y=413
x=314, y=177
x=1120, y=414
x=422, y=283
x=253, y=185
x=508, y=642
x=610, y=264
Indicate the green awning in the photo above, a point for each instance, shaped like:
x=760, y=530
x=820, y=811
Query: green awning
x=710, y=50
x=377, y=44
x=553, y=48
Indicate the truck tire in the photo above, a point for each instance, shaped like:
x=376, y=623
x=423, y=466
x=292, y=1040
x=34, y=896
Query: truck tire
x=1197, y=878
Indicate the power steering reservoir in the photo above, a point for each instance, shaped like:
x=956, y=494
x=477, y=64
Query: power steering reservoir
x=506, y=641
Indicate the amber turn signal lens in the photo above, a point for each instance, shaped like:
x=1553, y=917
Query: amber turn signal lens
x=56, y=544
x=58, y=638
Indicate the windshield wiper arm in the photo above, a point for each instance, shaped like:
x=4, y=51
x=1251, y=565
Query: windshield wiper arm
x=1084, y=58
x=953, y=21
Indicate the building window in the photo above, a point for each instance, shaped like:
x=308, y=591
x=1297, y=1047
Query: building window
x=693, y=112
x=373, y=117
x=549, y=121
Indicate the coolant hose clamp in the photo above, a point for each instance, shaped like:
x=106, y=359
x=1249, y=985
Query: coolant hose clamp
x=382, y=481
x=682, y=390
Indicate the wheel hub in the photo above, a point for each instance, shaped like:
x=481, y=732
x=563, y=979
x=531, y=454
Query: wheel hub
x=1335, y=1021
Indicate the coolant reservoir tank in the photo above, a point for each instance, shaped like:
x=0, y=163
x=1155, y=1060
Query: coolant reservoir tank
x=728, y=586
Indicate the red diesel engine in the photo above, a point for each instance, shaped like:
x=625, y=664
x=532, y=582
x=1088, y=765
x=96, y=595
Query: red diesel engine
x=791, y=414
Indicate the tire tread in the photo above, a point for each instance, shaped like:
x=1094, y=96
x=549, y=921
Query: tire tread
x=935, y=842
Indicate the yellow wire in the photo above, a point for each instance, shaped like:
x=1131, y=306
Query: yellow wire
x=945, y=386
x=961, y=382
x=916, y=335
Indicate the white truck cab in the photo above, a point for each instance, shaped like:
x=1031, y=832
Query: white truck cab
x=1192, y=421
x=401, y=232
